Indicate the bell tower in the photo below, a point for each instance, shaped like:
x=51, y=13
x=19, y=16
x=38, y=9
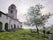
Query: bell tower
x=12, y=11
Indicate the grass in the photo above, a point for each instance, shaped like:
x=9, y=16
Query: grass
x=20, y=35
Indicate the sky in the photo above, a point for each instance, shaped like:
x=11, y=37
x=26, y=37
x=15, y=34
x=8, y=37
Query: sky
x=24, y=5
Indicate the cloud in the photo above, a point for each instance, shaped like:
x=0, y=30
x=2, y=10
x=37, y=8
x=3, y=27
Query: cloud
x=24, y=5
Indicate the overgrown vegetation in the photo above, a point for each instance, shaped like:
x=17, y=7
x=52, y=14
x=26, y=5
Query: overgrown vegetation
x=21, y=35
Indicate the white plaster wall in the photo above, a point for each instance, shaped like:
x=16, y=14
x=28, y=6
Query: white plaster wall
x=4, y=19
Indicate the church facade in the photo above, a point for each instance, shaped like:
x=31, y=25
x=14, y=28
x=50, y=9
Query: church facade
x=9, y=21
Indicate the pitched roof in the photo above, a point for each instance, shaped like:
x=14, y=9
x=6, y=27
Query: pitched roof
x=9, y=16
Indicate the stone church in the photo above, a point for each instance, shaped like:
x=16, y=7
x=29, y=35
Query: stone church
x=9, y=21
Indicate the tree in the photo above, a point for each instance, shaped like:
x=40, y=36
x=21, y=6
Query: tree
x=35, y=17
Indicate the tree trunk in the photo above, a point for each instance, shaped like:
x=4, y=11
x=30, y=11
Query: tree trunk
x=37, y=29
x=44, y=31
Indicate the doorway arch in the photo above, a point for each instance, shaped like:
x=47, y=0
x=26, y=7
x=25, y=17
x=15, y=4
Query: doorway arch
x=14, y=26
x=1, y=26
x=6, y=26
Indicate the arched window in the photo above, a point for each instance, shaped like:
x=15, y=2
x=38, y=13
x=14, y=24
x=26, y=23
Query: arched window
x=12, y=7
x=1, y=26
x=6, y=26
x=11, y=11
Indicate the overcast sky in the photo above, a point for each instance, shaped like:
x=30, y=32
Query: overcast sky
x=24, y=5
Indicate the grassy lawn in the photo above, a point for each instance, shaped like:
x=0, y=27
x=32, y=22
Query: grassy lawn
x=20, y=35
